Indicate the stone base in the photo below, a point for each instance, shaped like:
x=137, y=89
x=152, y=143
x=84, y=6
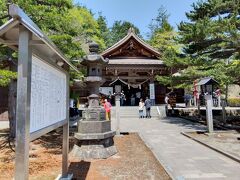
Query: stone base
x=94, y=126
x=94, y=136
x=94, y=149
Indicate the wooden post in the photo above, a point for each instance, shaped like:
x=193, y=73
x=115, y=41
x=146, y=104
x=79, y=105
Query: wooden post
x=23, y=105
x=65, y=143
x=198, y=107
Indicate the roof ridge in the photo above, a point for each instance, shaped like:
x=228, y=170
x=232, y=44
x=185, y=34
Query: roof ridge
x=127, y=37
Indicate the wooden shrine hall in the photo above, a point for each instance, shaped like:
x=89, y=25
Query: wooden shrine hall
x=133, y=65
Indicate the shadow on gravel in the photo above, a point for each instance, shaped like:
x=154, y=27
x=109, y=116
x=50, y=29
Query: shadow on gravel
x=79, y=170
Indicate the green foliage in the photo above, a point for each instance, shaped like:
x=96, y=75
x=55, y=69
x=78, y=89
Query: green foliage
x=235, y=102
x=214, y=30
x=119, y=30
x=85, y=27
x=159, y=22
x=6, y=76
x=233, y=70
x=104, y=30
x=211, y=41
x=69, y=26
x=163, y=38
x=3, y=11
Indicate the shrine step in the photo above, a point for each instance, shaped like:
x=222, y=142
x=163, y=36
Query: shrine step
x=132, y=112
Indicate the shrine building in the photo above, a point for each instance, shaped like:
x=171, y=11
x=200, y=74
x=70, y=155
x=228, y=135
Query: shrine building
x=133, y=65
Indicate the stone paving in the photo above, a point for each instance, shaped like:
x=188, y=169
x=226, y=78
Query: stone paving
x=182, y=157
x=227, y=142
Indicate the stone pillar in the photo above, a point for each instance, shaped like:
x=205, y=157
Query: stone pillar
x=219, y=101
x=117, y=102
x=224, y=112
x=209, y=114
x=199, y=108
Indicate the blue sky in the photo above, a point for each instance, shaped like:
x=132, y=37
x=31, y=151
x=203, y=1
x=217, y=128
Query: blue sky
x=138, y=12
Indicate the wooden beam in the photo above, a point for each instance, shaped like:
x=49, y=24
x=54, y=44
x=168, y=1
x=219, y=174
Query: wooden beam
x=144, y=68
x=14, y=43
x=127, y=77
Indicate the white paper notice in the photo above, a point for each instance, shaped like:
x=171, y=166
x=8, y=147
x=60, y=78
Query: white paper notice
x=48, y=95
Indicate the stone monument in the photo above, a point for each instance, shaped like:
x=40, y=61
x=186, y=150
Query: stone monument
x=94, y=137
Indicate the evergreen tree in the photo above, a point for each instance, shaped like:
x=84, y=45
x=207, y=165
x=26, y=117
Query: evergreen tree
x=104, y=30
x=120, y=29
x=163, y=38
x=159, y=21
x=212, y=37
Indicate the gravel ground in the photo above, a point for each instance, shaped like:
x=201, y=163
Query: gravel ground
x=134, y=160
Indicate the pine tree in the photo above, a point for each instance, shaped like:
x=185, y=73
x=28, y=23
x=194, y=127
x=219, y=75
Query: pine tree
x=163, y=38
x=104, y=30
x=211, y=38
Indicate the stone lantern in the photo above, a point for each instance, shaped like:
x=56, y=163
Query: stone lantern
x=94, y=136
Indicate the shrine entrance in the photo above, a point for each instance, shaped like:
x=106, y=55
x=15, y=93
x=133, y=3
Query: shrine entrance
x=132, y=96
x=131, y=93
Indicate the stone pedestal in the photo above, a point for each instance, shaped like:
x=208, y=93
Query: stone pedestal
x=94, y=136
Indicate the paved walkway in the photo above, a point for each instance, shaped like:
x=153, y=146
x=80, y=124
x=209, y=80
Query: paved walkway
x=182, y=157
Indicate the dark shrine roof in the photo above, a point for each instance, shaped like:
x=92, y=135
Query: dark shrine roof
x=131, y=47
x=207, y=80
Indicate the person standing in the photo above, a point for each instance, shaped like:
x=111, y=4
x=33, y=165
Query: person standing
x=218, y=95
x=166, y=99
x=141, y=106
x=148, y=107
x=138, y=96
x=122, y=98
x=187, y=98
x=107, y=106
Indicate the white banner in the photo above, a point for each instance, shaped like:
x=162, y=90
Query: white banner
x=152, y=91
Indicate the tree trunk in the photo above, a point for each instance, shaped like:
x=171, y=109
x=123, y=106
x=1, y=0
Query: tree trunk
x=12, y=100
x=12, y=107
x=226, y=96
